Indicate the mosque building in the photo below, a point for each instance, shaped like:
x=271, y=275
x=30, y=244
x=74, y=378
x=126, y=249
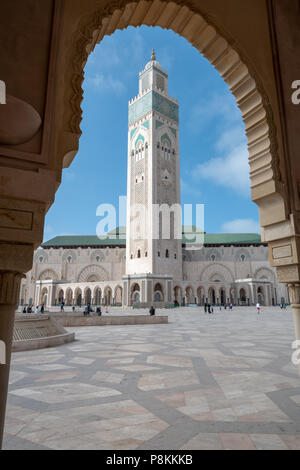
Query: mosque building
x=139, y=265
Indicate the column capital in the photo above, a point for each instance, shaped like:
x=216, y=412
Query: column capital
x=9, y=287
x=294, y=290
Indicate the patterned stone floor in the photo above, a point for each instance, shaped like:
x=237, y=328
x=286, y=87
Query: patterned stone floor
x=222, y=381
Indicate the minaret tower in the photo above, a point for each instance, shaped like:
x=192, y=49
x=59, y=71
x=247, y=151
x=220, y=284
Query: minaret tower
x=153, y=231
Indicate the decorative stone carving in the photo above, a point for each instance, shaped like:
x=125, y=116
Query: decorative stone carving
x=48, y=274
x=294, y=290
x=217, y=270
x=97, y=272
x=10, y=287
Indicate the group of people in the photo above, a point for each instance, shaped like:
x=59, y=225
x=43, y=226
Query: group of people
x=32, y=309
x=88, y=310
x=208, y=308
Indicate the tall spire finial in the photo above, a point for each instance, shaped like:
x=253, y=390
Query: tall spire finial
x=153, y=57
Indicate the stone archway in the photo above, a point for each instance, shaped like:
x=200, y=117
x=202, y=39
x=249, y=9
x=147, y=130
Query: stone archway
x=93, y=273
x=97, y=295
x=201, y=295
x=221, y=50
x=189, y=295
x=118, y=296
x=107, y=296
x=87, y=296
x=69, y=296
x=158, y=293
x=135, y=295
x=44, y=296
x=178, y=295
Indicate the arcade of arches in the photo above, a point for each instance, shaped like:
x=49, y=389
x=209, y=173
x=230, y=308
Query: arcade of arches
x=254, y=44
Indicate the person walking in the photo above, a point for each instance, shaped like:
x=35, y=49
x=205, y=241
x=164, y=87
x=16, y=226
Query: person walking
x=42, y=308
x=258, y=308
x=73, y=308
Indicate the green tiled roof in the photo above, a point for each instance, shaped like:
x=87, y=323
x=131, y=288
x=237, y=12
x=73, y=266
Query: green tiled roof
x=120, y=239
x=83, y=240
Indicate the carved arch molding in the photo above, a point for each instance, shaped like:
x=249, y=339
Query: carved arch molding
x=215, y=45
x=99, y=273
x=216, y=270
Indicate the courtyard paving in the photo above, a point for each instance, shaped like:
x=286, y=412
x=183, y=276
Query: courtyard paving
x=222, y=381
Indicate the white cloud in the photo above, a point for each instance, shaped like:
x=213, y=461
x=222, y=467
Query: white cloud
x=106, y=83
x=241, y=226
x=217, y=107
x=231, y=138
x=230, y=171
x=105, y=55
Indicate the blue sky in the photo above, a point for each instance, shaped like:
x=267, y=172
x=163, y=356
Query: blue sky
x=213, y=146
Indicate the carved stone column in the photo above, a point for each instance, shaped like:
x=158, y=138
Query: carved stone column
x=15, y=260
x=9, y=294
x=294, y=290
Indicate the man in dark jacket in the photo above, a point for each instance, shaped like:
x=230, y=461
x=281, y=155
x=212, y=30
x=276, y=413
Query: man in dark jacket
x=152, y=311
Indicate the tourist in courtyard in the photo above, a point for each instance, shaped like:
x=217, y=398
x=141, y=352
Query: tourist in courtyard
x=152, y=311
x=73, y=308
x=62, y=307
x=42, y=308
x=258, y=308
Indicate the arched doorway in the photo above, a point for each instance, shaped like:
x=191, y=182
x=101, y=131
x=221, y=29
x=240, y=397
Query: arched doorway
x=222, y=296
x=242, y=296
x=212, y=296
x=135, y=294
x=201, y=295
x=178, y=295
x=78, y=297
x=107, y=295
x=232, y=296
x=260, y=295
x=118, y=296
x=158, y=293
x=189, y=295
x=44, y=296
x=97, y=296
x=60, y=297
x=87, y=296
x=69, y=297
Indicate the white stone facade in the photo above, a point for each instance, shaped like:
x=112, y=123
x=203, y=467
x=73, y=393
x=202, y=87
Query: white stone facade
x=97, y=276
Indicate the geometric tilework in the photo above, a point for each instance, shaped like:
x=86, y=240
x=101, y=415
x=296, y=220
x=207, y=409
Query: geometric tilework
x=222, y=381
